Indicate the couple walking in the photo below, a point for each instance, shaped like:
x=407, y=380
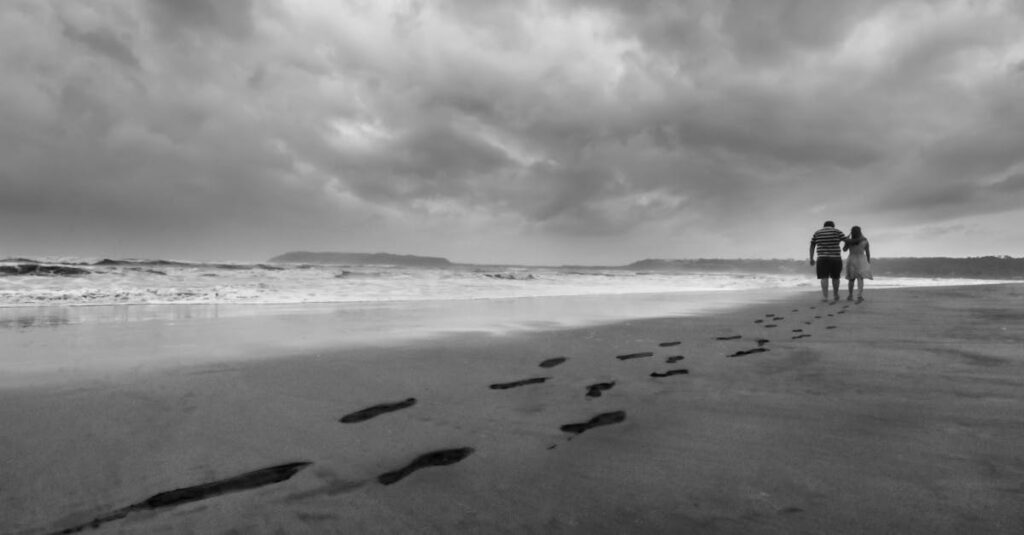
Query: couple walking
x=830, y=260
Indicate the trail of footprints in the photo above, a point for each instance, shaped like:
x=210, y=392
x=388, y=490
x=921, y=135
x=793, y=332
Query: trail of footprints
x=445, y=457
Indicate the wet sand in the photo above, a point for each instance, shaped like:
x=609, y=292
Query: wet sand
x=902, y=414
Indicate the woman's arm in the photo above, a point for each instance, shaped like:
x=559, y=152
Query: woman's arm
x=867, y=251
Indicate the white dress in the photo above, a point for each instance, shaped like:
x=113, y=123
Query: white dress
x=857, y=263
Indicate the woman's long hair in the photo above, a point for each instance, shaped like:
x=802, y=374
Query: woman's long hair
x=856, y=236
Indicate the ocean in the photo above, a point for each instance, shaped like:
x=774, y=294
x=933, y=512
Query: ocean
x=76, y=282
x=72, y=319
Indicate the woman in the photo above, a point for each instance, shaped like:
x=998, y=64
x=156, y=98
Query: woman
x=858, y=264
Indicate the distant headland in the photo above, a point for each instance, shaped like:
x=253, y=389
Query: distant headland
x=306, y=257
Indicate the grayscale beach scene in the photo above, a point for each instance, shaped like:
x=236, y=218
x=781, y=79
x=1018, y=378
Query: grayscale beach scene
x=551, y=266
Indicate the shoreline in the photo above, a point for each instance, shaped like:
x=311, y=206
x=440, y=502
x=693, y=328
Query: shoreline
x=155, y=337
x=903, y=418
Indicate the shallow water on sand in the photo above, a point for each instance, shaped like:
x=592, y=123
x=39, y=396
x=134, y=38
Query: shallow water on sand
x=60, y=344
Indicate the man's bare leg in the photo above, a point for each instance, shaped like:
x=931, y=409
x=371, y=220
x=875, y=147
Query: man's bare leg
x=835, y=290
x=824, y=290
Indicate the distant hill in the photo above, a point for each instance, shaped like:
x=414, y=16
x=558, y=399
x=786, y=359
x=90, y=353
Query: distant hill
x=305, y=257
x=982, y=267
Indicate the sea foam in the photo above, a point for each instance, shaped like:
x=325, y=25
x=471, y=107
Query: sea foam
x=67, y=281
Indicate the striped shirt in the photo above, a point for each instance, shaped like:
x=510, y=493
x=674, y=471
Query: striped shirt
x=827, y=240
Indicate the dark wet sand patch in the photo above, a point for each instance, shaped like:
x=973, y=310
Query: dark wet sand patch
x=669, y=373
x=376, y=410
x=552, y=362
x=334, y=488
x=605, y=418
x=635, y=355
x=522, y=382
x=171, y=498
x=594, y=390
x=674, y=358
x=749, y=352
x=668, y=344
x=735, y=337
x=434, y=458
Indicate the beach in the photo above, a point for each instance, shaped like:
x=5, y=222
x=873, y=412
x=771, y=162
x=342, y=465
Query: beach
x=902, y=414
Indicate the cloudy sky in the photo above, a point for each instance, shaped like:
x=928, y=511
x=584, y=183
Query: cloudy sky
x=557, y=131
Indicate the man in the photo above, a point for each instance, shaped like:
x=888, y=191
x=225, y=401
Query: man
x=830, y=259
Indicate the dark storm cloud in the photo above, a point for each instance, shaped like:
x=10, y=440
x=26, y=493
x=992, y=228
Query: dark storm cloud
x=595, y=127
x=105, y=42
x=228, y=17
x=979, y=153
x=1011, y=184
x=433, y=160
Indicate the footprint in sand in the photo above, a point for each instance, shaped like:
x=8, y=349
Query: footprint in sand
x=631, y=356
x=674, y=358
x=172, y=498
x=831, y=327
x=779, y=318
x=798, y=330
x=605, y=418
x=594, y=390
x=736, y=337
x=799, y=336
x=551, y=363
x=762, y=341
x=758, y=321
x=668, y=344
x=669, y=373
x=770, y=326
x=434, y=458
x=748, y=352
x=376, y=410
x=514, y=384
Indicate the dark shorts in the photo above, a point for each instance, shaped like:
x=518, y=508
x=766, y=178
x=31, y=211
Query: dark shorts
x=829, y=267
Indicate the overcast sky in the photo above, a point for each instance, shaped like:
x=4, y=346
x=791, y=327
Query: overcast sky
x=561, y=131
